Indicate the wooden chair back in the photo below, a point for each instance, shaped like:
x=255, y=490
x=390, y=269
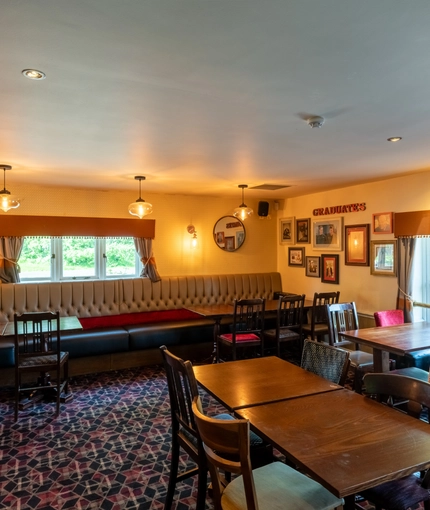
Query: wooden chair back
x=248, y=316
x=388, y=387
x=290, y=313
x=341, y=317
x=326, y=361
x=222, y=442
x=183, y=389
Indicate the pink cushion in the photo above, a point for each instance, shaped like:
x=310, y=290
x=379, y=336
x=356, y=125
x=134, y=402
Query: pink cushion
x=138, y=318
x=241, y=337
x=389, y=318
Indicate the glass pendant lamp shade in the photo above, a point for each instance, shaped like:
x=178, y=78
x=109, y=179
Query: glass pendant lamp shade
x=7, y=201
x=140, y=208
x=243, y=211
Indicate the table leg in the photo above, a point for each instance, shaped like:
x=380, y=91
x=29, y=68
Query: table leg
x=217, y=329
x=381, y=361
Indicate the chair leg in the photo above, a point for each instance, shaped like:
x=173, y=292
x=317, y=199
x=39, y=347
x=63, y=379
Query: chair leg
x=174, y=465
x=202, y=487
x=17, y=385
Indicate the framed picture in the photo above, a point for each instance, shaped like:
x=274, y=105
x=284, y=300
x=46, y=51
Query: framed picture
x=330, y=268
x=286, y=230
x=303, y=230
x=296, y=257
x=313, y=267
x=382, y=223
x=383, y=258
x=240, y=237
x=357, y=245
x=327, y=234
x=229, y=243
x=219, y=236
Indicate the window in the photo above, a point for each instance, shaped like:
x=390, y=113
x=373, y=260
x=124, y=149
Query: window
x=421, y=278
x=76, y=258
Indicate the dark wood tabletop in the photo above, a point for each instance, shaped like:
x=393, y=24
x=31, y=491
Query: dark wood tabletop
x=399, y=339
x=238, y=384
x=223, y=310
x=66, y=324
x=345, y=441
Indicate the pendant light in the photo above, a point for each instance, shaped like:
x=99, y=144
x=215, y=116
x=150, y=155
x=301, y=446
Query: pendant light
x=243, y=211
x=7, y=201
x=140, y=208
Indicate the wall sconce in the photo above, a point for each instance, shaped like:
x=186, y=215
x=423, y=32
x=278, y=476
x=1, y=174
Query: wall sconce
x=192, y=230
x=140, y=208
x=7, y=201
x=243, y=211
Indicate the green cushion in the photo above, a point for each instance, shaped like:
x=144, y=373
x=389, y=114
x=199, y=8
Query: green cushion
x=279, y=486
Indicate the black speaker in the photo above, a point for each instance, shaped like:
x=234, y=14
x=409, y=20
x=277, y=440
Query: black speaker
x=263, y=209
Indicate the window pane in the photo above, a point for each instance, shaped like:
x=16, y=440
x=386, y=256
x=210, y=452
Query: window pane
x=35, y=259
x=120, y=257
x=79, y=258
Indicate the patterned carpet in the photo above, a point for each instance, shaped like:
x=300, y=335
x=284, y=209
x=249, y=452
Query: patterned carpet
x=109, y=448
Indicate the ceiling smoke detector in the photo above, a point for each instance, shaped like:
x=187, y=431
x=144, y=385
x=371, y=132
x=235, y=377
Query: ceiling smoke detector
x=316, y=122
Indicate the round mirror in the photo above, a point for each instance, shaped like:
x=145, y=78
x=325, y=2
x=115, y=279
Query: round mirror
x=229, y=233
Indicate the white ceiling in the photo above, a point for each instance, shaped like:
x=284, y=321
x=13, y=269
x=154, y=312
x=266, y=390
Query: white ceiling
x=202, y=95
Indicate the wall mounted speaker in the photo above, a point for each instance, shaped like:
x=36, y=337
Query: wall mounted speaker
x=263, y=209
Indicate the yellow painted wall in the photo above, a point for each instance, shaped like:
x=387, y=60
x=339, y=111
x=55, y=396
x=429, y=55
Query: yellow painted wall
x=172, y=244
x=371, y=293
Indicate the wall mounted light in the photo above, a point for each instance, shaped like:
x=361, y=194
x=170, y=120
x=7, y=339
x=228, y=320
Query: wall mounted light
x=7, y=201
x=192, y=230
x=243, y=211
x=140, y=208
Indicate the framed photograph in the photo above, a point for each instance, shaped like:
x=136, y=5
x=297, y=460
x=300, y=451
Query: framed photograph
x=303, y=230
x=330, y=268
x=327, y=234
x=229, y=243
x=286, y=230
x=313, y=267
x=357, y=245
x=383, y=258
x=240, y=237
x=220, y=238
x=382, y=223
x=296, y=257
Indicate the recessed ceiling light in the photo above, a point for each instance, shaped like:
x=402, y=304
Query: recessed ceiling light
x=394, y=139
x=34, y=74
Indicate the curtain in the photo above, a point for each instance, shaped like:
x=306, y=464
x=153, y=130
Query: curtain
x=10, y=251
x=405, y=259
x=144, y=250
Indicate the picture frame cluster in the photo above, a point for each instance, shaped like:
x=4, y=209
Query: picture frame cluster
x=330, y=235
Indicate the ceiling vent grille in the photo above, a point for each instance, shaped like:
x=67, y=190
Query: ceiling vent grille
x=271, y=187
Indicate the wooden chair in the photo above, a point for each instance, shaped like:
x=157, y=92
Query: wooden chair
x=289, y=321
x=37, y=350
x=318, y=321
x=183, y=388
x=343, y=317
x=409, y=491
x=327, y=361
x=246, y=330
x=274, y=486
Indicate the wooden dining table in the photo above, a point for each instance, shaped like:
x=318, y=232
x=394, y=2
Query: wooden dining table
x=345, y=441
x=66, y=324
x=400, y=339
x=238, y=384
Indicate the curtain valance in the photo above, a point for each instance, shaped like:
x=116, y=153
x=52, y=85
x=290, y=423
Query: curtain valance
x=412, y=224
x=58, y=226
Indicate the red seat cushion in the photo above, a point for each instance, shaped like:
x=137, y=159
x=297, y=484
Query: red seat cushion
x=389, y=318
x=241, y=337
x=138, y=318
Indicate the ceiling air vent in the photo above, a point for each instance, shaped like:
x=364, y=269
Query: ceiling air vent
x=271, y=187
